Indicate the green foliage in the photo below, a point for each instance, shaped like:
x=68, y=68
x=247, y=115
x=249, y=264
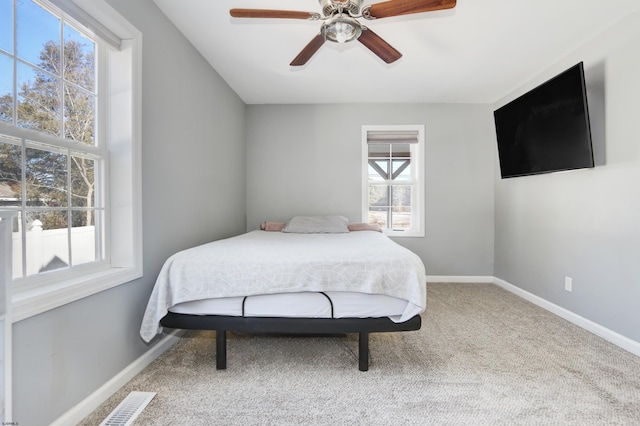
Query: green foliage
x=59, y=101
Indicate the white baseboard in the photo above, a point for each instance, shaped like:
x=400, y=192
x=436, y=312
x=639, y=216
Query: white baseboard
x=93, y=401
x=595, y=328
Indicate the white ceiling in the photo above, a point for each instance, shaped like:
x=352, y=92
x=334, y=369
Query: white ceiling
x=475, y=53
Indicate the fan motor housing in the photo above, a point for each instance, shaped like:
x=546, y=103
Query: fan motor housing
x=331, y=7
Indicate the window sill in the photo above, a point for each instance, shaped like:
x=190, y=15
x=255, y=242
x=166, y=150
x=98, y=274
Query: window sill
x=28, y=303
x=400, y=234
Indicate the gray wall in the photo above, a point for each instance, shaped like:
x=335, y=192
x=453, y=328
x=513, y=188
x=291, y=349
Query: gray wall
x=584, y=224
x=306, y=159
x=193, y=139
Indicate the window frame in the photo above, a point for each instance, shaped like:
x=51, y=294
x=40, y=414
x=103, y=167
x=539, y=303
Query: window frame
x=418, y=162
x=120, y=100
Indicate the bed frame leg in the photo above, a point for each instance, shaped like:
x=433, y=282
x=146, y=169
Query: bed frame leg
x=221, y=349
x=363, y=352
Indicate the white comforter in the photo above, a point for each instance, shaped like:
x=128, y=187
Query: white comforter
x=262, y=262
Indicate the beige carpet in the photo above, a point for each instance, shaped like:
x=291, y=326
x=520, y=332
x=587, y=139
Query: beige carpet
x=483, y=357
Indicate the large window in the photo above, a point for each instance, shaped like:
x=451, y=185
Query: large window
x=52, y=156
x=393, y=176
x=65, y=80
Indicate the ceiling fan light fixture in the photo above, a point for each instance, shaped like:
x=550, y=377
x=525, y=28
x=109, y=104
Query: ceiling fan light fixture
x=341, y=23
x=341, y=29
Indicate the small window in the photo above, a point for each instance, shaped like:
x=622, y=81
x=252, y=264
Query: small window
x=393, y=176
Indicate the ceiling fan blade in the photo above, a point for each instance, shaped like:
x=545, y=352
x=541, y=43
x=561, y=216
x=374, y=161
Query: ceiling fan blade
x=308, y=51
x=378, y=46
x=405, y=7
x=265, y=13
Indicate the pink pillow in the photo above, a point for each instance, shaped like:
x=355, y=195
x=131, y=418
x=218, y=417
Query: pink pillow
x=364, y=227
x=272, y=226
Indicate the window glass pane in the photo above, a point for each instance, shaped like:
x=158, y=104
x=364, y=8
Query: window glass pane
x=379, y=216
x=378, y=170
x=372, y=174
x=401, y=170
x=401, y=210
x=83, y=237
x=79, y=115
x=38, y=100
x=378, y=195
x=46, y=178
x=6, y=88
x=401, y=217
x=82, y=183
x=10, y=172
x=37, y=34
x=16, y=247
x=6, y=25
x=79, y=59
x=47, y=241
x=401, y=195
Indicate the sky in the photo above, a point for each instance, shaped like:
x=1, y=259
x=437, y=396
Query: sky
x=35, y=26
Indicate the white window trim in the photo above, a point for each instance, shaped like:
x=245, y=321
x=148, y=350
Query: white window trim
x=124, y=208
x=419, y=191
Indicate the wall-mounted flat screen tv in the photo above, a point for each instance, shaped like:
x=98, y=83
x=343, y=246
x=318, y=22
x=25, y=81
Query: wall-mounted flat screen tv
x=546, y=129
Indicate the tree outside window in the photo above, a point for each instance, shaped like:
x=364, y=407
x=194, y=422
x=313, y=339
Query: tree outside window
x=51, y=180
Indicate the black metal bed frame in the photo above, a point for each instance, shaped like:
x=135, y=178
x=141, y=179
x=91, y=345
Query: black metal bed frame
x=222, y=324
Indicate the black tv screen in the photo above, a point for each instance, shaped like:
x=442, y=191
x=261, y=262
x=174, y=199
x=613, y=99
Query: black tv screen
x=546, y=129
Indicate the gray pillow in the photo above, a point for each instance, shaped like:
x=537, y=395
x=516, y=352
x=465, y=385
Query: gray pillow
x=317, y=225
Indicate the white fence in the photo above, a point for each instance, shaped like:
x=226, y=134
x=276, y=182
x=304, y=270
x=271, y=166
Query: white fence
x=49, y=249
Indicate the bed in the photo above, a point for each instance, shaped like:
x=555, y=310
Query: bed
x=316, y=275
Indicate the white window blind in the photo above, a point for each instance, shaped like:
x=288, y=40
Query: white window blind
x=390, y=136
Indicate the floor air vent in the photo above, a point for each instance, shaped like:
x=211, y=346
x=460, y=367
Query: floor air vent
x=130, y=407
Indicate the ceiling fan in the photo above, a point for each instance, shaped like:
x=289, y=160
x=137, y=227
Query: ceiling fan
x=341, y=23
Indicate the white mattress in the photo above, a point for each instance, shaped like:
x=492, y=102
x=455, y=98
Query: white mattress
x=266, y=263
x=329, y=304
